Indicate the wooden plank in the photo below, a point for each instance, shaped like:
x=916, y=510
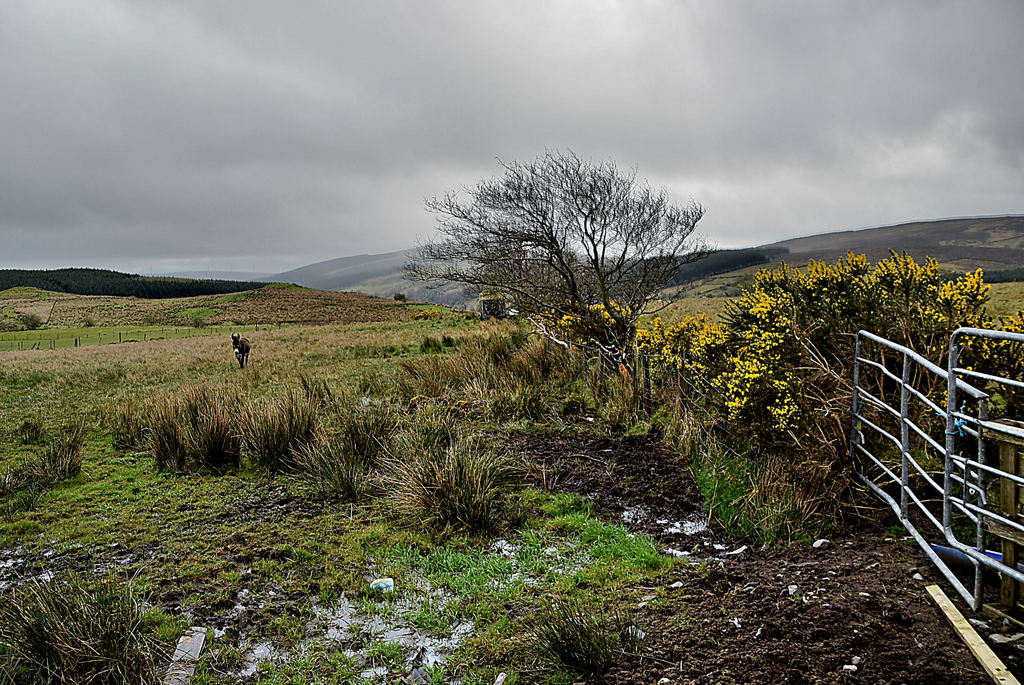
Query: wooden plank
x=996, y=612
x=1003, y=531
x=982, y=652
x=186, y=657
x=1009, y=593
x=992, y=431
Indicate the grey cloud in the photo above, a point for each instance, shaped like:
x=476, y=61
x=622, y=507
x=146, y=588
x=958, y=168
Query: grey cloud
x=238, y=133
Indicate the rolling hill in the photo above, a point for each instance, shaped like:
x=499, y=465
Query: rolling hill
x=994, y=243
x=376, y=274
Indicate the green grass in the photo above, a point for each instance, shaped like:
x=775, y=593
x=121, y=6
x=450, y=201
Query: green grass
x=198, y=312
x=58, y=338
x=280, y=539
x=751, y=502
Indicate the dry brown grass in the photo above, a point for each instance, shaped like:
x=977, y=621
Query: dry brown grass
x=1007, y=299
x=266, y=305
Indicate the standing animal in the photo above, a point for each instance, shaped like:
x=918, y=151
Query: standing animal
x=241, y=347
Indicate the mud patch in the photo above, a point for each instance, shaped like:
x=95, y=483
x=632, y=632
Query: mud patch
x=848, y=612
x=632, y=480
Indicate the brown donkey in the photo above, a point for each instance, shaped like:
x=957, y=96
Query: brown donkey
x=241, y=346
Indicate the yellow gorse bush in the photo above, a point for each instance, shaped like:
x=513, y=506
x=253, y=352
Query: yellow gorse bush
x=597, y=325
x=426, y=315
x=775, y=360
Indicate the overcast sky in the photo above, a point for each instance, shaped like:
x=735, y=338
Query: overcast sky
x=159, y=136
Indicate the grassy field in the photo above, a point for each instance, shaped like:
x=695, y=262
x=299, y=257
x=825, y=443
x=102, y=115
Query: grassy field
x=276, y=569
x=273, y=304
x=55, y=338
x=275, y=562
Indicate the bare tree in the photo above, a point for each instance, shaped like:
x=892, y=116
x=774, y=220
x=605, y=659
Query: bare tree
x=559, y=236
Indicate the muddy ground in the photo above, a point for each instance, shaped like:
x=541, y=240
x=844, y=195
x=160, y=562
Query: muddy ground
x=848, y=611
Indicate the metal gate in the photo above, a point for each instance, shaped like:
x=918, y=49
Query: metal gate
x=922, y=439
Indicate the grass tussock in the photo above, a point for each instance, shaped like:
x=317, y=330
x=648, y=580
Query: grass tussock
x=167, y=438
x=62, y=457
x=318, y=390
x=621, y=406
x=333, y=468
x=761, y=498
x=196, y=431
x=23, y=484
x=127, y=420
x=459, y=487
x=71, y=632
x=430, y=428
x=583, y=639
x=31, y=432
x=272, y=432
x=433, y=375
x=368, y=432
x=517, y=401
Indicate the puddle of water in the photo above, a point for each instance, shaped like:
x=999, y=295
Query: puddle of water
x=506, y=548
x=635, y=514
x=376, y=673
x=339, y=619
x=691, y=526
x=258, y=653
x=342, y=622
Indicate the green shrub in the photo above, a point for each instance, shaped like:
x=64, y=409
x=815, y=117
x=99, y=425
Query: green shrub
x=32, y=321
x=457, y=488
x=586, y=640
x=74, y=632
x=272, y=432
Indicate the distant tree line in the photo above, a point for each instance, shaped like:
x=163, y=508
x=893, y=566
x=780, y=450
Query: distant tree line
x=104, y=282
x=1004, y=276
x=724, y=261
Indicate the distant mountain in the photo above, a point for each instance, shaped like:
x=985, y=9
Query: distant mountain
x=346, y=272
x=373, y=274
x=219, y=275
x=992, y=243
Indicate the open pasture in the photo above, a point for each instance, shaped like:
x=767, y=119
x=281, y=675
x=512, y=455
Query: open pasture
x=272, y=304
x=602, y=534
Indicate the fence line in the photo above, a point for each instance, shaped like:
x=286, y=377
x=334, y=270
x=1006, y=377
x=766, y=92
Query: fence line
x=51, y=339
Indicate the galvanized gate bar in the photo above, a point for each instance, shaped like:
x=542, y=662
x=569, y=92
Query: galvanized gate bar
x=965, y=477
x=909, y=501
